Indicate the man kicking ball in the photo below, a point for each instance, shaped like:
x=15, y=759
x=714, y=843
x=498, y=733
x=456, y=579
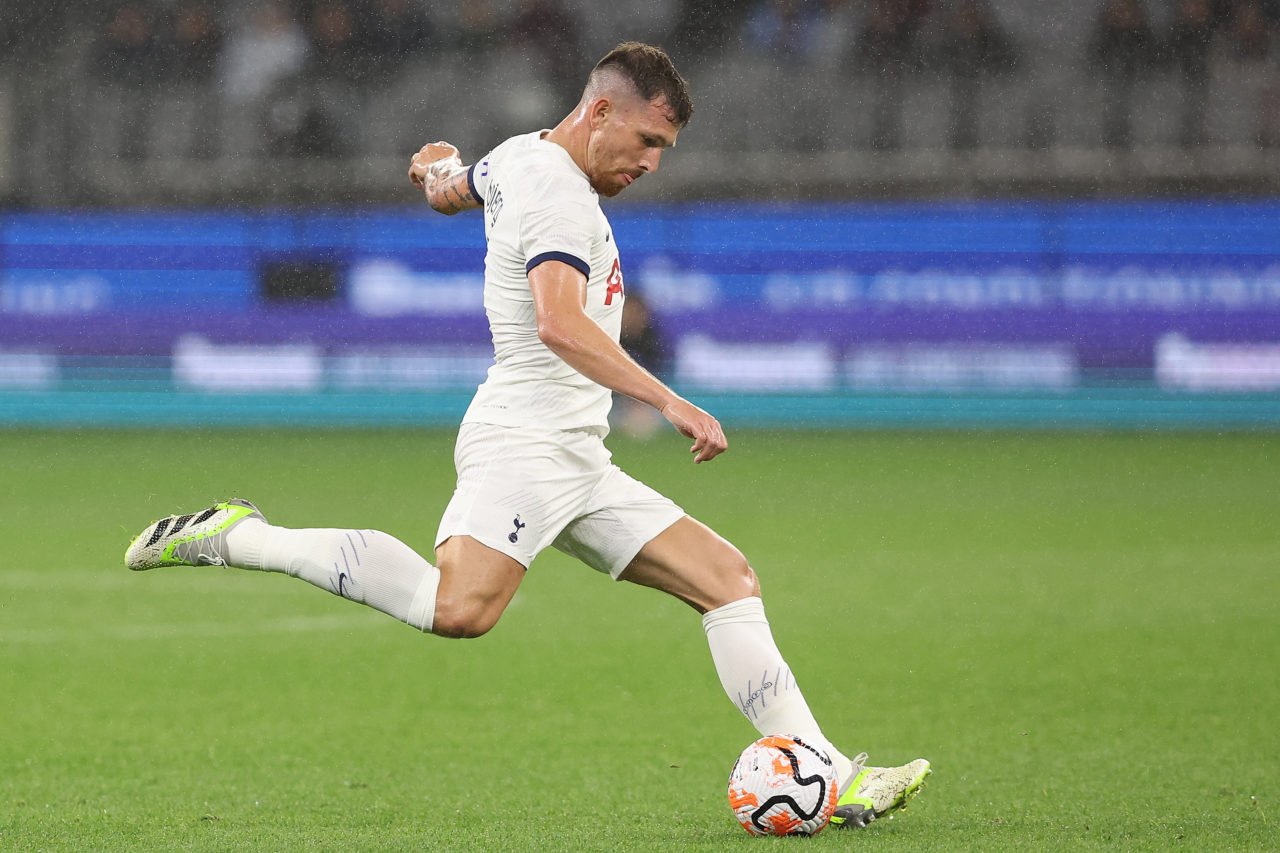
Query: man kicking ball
x=532, y=466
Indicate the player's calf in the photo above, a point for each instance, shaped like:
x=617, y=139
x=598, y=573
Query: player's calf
x=366, y=566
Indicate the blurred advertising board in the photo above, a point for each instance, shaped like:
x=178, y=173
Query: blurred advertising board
x=763, y=298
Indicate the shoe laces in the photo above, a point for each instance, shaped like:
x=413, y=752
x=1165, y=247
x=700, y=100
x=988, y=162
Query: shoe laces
x=206, y=548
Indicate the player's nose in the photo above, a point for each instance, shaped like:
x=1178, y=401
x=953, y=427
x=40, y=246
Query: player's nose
x=649, y=162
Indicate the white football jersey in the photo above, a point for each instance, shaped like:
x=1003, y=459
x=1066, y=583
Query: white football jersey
x=538, y=207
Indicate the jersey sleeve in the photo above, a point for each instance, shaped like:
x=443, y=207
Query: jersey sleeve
x=556, y=226
x=478, y=178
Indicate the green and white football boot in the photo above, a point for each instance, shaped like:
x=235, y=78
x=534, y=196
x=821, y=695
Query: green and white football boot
x=195, y=539
x=878, y=791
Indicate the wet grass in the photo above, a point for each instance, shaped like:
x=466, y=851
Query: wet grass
x=1080, y=631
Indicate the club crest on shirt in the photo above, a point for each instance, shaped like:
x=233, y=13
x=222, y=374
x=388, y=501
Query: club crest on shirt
x=514, y=537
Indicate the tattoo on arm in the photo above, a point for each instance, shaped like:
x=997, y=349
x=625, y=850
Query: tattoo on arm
x=448, y=190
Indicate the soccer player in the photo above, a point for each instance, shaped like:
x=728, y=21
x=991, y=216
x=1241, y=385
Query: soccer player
x=532, y=466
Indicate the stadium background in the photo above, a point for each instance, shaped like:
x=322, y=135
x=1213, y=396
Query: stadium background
x=987, y=294
x=989, y=214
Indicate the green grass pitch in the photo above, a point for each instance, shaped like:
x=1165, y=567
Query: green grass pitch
x=1081, y=631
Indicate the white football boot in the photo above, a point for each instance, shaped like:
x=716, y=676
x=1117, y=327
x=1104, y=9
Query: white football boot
x=878, y=791
x=195, y=539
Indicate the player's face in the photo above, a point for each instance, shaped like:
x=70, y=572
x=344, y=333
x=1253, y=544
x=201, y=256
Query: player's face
x=629, y=137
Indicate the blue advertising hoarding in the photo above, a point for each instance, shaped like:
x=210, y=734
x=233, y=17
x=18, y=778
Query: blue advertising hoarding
x=824, y=299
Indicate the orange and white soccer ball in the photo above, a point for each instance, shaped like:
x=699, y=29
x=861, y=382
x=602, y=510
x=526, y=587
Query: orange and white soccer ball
x=783, y=786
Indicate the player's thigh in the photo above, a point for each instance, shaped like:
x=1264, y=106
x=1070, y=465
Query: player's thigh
x=621, y=516
x=518, y=489
x=695, y=564
x=476, y=585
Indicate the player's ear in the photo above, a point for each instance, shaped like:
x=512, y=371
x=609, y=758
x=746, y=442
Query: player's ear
x=598, y=111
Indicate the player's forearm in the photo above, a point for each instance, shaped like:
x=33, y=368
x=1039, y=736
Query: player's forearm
x=586, y=348
x=447, y=188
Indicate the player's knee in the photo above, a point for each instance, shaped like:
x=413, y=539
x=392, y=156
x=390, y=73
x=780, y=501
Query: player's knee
x=464, y=619
x=745, y=579
x=751, y=583
x=737, y=580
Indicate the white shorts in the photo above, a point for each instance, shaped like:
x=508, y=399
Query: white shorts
x=520, y=490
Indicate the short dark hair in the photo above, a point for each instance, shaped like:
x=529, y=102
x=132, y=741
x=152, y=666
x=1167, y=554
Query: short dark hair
x=653, y=74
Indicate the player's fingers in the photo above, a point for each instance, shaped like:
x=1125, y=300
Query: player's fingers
x=701, y=427
x=709, y=452
x=415, y=172
x=705, y=448
x=716, y=443
x=709, y=446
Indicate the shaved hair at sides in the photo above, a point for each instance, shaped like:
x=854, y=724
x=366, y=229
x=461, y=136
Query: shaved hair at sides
x=646, y=71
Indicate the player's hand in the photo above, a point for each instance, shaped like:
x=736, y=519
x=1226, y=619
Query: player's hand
x=692, y=422
x=428, y=154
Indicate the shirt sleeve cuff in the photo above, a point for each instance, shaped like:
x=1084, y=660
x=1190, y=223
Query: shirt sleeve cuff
x=471, y=183
x=563, y=257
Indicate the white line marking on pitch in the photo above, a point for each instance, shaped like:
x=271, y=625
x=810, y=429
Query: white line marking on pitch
x=123, y=578
x=170, y=630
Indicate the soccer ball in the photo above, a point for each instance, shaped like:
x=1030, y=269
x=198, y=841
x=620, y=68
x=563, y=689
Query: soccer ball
x=783, y=786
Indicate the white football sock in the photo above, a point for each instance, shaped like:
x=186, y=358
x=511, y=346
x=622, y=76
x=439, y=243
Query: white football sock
x=367, y=566
x=758, y=680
